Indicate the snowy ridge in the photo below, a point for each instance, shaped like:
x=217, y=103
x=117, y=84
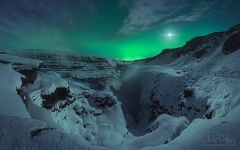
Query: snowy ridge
x=20, y=61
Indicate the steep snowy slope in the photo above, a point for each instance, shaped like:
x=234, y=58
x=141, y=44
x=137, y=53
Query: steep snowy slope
x=11, y=103
x=217, y=52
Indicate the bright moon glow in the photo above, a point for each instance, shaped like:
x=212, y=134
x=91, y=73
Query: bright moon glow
x=169, y=35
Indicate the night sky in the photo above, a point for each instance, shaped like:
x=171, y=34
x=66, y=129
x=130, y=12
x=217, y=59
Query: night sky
x=122, y=29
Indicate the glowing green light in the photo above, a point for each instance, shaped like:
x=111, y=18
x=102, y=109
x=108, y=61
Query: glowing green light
x=124, y=47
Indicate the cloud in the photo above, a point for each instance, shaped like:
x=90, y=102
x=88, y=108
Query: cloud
x=146, y=13
x=195, y=14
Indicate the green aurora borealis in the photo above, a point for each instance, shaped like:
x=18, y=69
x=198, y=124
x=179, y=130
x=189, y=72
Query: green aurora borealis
x=96, y=31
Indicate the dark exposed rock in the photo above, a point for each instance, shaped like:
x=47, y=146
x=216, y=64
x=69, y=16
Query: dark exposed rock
x=232, y=44
x=70, y=99
x=104, y=103
x=2, y=52
x=188, y=93
x=96, y=83
x=36, y=132
x=30, y=76
x=197, y=109
x=200, y=53
x=79, y=110
x=209, y=114
x=97, y=114
x=4, y=62
x=207, y=107
x=100, y=100
x=190, y=46
x=165, y=142
x=157, y=109
x=235, y=28
x=60, y=93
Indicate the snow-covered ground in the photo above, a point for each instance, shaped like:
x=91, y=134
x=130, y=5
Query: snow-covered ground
x=10, y=102
x=185, y=99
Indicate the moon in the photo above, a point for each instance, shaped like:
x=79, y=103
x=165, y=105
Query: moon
x=170, y=35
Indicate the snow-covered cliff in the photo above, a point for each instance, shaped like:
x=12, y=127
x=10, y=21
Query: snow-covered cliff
x=185, y=98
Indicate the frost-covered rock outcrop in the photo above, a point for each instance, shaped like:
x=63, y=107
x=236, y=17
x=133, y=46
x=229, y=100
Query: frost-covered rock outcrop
x=74, y=95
